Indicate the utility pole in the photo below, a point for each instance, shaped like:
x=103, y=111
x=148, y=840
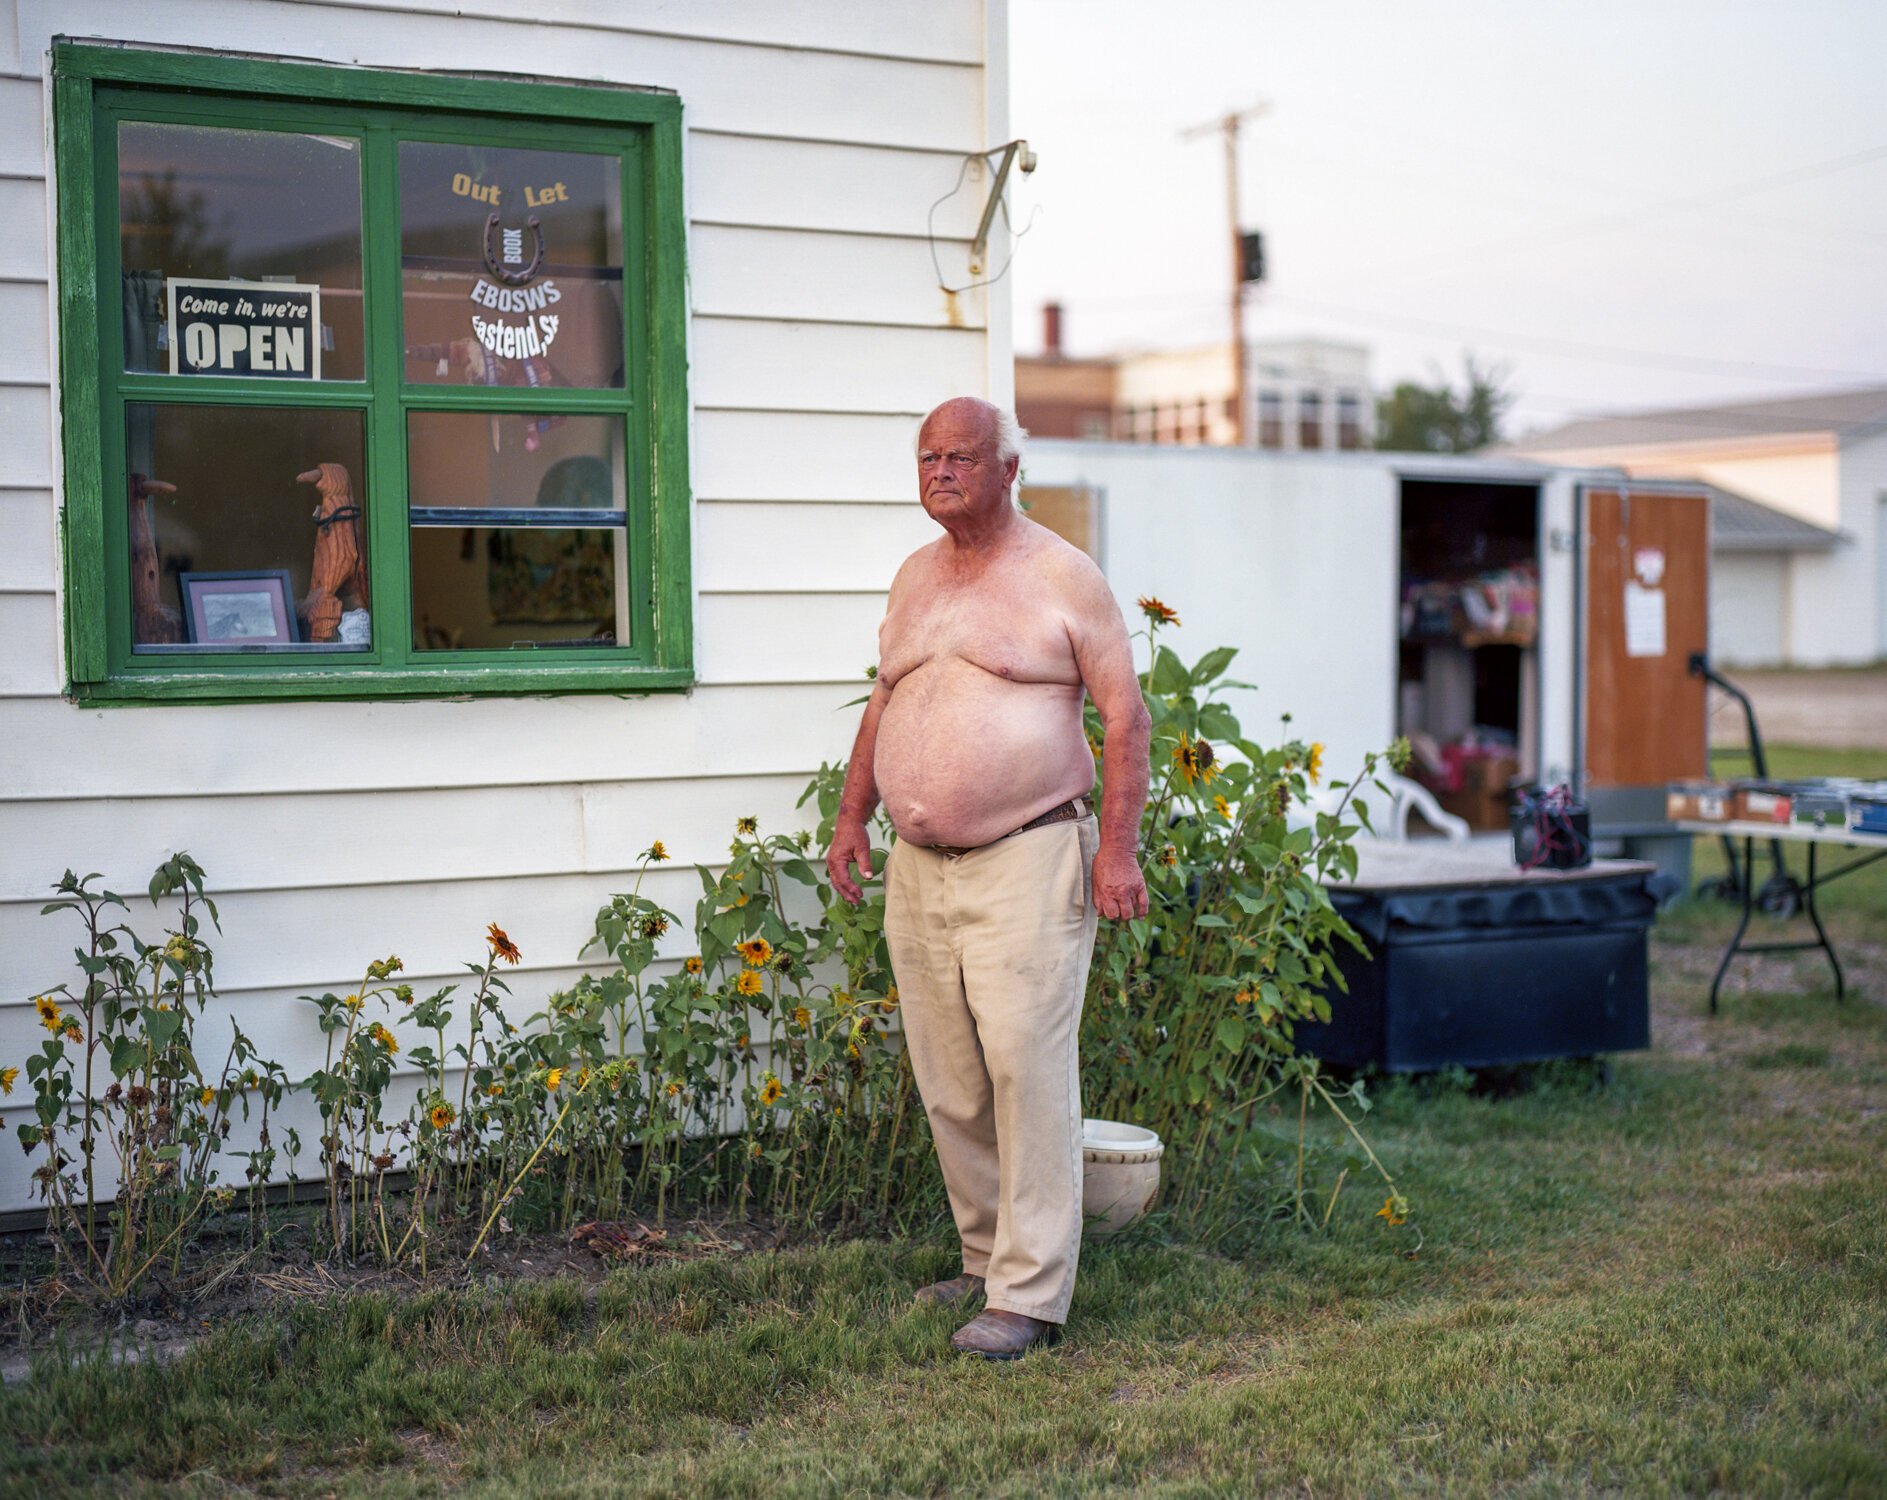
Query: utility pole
x=1228, y=126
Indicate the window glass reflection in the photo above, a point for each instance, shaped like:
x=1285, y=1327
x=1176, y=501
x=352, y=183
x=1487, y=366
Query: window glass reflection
x=240, y=251
x=514, y=461
x=518, y=587
x=511, y=266
x=247, y=529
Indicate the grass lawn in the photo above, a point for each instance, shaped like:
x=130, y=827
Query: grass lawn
x=1675, y=1284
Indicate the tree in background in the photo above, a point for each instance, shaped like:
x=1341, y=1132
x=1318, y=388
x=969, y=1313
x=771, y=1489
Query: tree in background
x=1434, y=419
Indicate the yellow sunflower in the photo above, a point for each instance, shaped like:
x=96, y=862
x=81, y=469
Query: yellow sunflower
x=1195, y=760
x=656, y=852
x=770, y=1090
x=440, y=1115
x=1314, y=763
x=802, y=1017
x=692, y=964
x=749, y=983
x=206, y=1097
x=48, y=1009
x=553, y=1080
x=1221, y=806
x=755, y=952
x=7, y=1077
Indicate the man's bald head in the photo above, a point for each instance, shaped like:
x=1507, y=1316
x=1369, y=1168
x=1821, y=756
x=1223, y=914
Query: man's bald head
x=994, y=432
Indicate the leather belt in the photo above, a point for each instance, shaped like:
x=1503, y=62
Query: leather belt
x=1073, y=808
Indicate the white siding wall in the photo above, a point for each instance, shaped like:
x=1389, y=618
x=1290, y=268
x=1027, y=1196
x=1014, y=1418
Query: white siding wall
x=819, y=133
x=1748, y=597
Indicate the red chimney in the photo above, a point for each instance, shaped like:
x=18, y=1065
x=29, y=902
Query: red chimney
x=1051, y=330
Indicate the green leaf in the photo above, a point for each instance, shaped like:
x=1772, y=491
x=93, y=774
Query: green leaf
x=1169, y=678
x=1207, y=919
x=126, y=1054
x=1213, y=664
x=1230, y=1031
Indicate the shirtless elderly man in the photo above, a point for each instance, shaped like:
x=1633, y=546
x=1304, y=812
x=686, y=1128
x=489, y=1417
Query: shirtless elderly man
x=973, y=738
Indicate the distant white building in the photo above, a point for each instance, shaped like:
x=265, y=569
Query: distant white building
x=1302, y=395
x=1799, y=514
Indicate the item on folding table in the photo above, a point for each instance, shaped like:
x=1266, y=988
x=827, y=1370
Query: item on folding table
x=1867, y=811
x=1761, y=802
x=1697, y=801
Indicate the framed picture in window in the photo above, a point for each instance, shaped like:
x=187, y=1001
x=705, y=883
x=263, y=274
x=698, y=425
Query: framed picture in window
x=255, y=608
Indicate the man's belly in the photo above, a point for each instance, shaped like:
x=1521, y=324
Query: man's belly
x=964, y=757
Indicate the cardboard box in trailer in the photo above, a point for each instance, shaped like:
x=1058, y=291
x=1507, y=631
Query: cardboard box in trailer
x=1520, y=622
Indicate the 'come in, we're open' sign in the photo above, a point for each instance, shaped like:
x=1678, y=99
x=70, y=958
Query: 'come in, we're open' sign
x=245, y=328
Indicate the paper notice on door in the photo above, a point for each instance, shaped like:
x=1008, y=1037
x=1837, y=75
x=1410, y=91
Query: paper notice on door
x=1644, y=620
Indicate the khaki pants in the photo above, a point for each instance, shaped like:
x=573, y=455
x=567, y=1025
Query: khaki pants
x=991, y=951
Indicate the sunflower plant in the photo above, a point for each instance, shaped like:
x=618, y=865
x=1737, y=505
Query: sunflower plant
x=1188, y=1025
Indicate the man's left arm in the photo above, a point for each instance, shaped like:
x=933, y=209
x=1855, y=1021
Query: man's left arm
x=1104, y=654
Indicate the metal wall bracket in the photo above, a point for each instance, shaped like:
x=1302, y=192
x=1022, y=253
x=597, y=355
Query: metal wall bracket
x=1015, y=153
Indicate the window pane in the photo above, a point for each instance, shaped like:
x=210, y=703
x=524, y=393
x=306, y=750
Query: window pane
x=511, y=266
x=495, y=587
x=512, y=461
x=247, y=528
x=277, y=213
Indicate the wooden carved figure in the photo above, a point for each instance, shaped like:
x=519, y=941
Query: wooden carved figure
x=340, y=569
x=153, y=622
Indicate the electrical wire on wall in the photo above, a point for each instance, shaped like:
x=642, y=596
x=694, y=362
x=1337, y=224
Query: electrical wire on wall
x=1001, y=205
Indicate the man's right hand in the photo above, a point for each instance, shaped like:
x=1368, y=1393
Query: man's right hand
x=851, y=843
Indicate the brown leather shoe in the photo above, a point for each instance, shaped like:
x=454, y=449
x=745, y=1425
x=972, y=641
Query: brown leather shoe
x=949, y=1293
x=996, y=1334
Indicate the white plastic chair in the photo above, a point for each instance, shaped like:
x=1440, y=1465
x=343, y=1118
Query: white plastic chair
x=1392, y=824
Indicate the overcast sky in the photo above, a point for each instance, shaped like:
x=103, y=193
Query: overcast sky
x=1629, y=202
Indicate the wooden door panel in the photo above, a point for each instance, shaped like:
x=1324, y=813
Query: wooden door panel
x=1644, y=711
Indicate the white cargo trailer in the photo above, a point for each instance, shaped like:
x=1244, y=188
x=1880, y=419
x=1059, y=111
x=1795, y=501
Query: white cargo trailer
x=1529, y=623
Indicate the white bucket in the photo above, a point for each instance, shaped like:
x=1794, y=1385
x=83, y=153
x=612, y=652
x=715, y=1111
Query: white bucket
x=1120, y=1174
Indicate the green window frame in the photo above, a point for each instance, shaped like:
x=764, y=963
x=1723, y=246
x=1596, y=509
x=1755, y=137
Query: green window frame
x=94, y=88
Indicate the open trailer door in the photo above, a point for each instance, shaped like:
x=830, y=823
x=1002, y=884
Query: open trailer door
x=1647, y=606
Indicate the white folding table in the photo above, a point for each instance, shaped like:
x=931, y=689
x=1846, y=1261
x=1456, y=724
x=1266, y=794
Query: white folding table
x=1797, y=833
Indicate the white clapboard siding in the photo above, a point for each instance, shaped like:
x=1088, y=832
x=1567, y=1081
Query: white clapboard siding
x=27, y=353
x=787, y=637
x=29, y=664
x=277, y=937
x=367, y=838
x=829, y=367
x=757, y=90
x=22, y=229
x=818, y=136
x=810, y=546
x=774, y=455
x=25, y=435
x=798, y=184
x=22, y=121
x=878, y=28
x=29, y=560
x=847, y=278
x=262, y=749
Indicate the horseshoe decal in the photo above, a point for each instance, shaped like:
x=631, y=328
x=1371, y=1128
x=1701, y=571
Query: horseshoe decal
x=518, y=277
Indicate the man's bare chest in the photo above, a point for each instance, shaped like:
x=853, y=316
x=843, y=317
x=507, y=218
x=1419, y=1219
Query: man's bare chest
x=1002, y=632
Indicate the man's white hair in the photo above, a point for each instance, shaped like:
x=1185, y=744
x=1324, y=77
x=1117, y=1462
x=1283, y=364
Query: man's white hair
x=1010, y=436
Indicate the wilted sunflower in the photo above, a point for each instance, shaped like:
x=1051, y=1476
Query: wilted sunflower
x=502, y=946
x=783, y=961
x=381, y=1035
x=770, y=1090
x=1169, y=856
x=747, y=825
x=1244, y=997
x=691, y=964
x=674, y=1087
x=748, y=983
x=1156, y=612
x=755, y=951
x=440, y=1115
x=654, y=926
x=1394, y=1208
x=69, y=1025
x=1195, y=760
x=802, y=1017
x=495, y=1090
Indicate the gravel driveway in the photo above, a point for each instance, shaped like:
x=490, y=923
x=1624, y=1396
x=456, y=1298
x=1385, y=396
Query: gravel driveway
x=1841, y=710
